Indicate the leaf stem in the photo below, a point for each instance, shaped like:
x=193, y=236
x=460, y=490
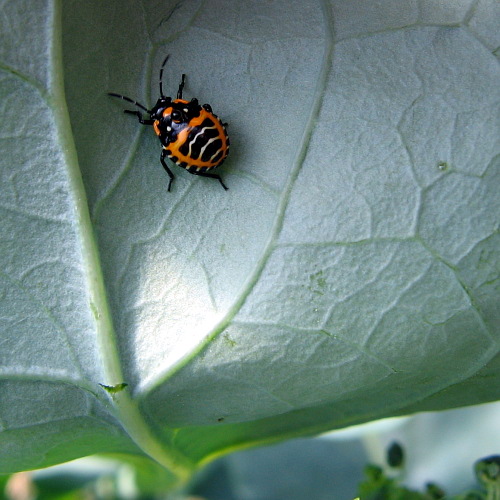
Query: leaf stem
x=123, y=406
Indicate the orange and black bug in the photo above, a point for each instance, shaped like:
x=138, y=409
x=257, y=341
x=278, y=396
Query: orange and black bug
x=192, y=136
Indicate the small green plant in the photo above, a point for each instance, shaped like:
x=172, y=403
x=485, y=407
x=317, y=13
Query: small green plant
x=378, y=485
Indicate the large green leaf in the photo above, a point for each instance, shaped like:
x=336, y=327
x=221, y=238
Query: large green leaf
x=351, y=271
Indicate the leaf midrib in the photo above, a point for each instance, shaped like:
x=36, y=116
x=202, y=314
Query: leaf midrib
x=124, y=408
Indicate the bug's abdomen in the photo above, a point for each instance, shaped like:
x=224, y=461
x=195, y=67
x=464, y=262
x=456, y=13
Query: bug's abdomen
x=202, y=145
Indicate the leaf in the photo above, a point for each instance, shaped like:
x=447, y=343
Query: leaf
x=349, y=273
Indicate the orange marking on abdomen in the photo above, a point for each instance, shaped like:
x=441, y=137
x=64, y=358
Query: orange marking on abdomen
x=182, y=137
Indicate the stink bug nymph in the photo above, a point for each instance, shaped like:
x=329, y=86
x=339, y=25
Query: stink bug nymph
x=192, y=136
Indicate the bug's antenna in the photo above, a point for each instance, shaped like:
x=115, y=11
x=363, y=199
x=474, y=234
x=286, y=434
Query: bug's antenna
x=161, y=75
x=125, y=98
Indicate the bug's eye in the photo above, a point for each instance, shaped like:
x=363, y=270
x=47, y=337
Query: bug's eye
x=176, y=116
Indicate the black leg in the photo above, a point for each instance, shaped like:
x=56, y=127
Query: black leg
x=212, y=176
x=141, y=119
x=181, y=87
x=165, y=166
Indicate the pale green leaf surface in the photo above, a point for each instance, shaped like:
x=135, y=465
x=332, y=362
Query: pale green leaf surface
x=349, y=273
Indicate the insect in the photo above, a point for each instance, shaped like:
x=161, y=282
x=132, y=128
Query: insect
x=192, y=136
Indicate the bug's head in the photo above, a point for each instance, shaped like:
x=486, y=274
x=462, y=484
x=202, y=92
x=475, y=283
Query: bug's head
x=175, y=111
x=161, y=104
